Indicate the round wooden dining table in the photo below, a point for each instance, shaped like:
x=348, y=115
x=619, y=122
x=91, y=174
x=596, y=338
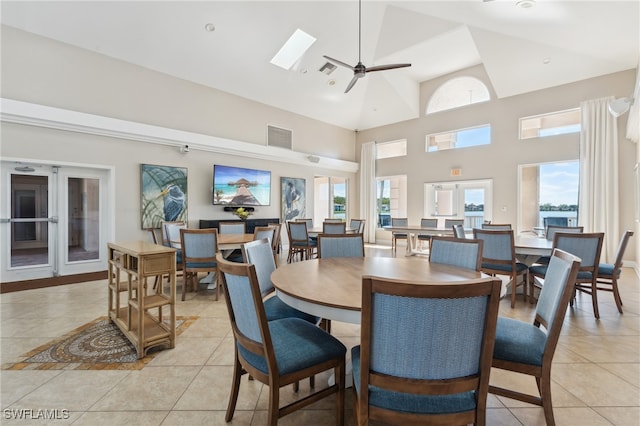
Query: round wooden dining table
x=332, y=288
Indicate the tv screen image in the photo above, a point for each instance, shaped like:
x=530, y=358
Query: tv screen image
x=236, y=186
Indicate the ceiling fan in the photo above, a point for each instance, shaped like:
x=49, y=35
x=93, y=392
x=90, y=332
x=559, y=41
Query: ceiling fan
x=360, y=70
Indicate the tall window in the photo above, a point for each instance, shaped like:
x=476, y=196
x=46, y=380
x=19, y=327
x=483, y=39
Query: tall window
x=330, y=198
x=548, y=190
x=391, y=198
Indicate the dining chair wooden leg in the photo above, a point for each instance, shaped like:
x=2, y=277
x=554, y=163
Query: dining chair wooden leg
x=235, y=388
x=594, y=298
x=274, y=402
x=544, y=386
x=616, y=294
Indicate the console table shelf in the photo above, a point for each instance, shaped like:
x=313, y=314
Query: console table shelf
x=137, y=310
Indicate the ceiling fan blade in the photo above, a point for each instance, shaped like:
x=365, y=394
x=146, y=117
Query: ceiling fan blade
x=387, y=67
x=352, y=83
x=337, y=62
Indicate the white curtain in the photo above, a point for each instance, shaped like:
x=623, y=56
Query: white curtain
x=633, y=121
x=598, y=198
x=368, y=190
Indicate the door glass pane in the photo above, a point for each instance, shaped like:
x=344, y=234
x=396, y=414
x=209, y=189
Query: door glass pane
x=84, y=224
x=339, y=198
x=473, y=207
x=29, y=226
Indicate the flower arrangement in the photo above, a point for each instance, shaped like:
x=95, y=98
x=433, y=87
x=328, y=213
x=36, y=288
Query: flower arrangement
x=242, y=213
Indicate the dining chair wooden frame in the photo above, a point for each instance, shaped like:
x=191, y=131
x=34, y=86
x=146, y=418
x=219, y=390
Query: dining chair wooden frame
x=608, y=273
x=198, y=256
x=458, y=232
x=340, y=245
x=338, y=228
x=429, y=376
x=398, y=235
x=263, y=349
x=499, y=258
x=426, y=222
x=299, y=241
x=516, y=341
x=496, y=226
x=586, y=246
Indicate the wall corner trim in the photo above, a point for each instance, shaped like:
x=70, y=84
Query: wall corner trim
x=19, y=112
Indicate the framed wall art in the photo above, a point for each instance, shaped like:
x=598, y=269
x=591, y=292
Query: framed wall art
x=164, y=194
x=294, y=198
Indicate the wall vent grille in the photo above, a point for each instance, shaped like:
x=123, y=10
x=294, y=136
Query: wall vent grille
x=279, y=137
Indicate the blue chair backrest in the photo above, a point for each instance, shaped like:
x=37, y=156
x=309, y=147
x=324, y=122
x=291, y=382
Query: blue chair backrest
x=555, y=221
x=451, y=335
x=399, y=221
x=333, y=227
x=448, y=223
x=555, y=281
x=298, y=231
x=585, y=246
x=497, y=244
x=551, y=230
x=240, y=293
x=199, y=244
x=231, y=227
x=456, y=252
x=498, y=227
x=260, y=254
x=346, y=245
x=309, y=222
x=429, y=223
x=264, y=232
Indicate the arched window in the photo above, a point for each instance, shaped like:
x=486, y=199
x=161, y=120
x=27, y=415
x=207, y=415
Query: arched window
x=459, y=91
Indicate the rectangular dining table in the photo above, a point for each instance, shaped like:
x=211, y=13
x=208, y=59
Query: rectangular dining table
x=413, y=230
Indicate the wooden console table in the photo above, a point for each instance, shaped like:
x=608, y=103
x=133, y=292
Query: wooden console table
x=250, y=223
x=140, y=311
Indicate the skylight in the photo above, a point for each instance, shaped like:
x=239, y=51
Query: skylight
x=293, y=49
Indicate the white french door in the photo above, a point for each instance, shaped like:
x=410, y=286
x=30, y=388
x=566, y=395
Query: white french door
x=52, y=220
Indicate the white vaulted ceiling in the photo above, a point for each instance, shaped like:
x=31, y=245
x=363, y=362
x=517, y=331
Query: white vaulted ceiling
x=578, y=39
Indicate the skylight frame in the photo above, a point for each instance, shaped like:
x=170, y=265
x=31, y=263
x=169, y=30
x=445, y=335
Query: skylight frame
x=293, y=49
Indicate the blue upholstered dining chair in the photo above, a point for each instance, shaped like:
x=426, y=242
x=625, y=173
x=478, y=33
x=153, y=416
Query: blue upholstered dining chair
x=499, y=258
x=232, y=227
x=465, y=253
x=357, y=225
x=334, y=227
x=529, y=348
x=276, y=353
x=496, y=226
x=441, y=377
x=458, y=232
x=608, y=273
x=586, y=246
x=398, y=235
x=426, y=223
x=299, y=241
x=335, y=245
x=448, y=223
x=199, y=248
x=260, y=254
x=550, y=232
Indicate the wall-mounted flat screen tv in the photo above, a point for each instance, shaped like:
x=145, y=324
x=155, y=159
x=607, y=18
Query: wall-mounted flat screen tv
x=235, y=186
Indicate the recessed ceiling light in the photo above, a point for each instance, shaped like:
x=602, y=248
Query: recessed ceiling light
x=526, y=4
x=331, y=83
x=546, y=60
x=210, y=27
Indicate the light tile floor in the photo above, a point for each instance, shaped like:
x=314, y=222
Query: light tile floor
x=596, y=372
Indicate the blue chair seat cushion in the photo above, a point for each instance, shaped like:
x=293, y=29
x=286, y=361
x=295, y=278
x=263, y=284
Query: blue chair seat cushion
x=541, y=271
x=297, y=345
x=211, y=265
x=411, y=403
x=276, y=309
x=399, y=235
x=605, y=270
x=520, y=267
x=424, y=237
x=544, y=260
x=519, y=341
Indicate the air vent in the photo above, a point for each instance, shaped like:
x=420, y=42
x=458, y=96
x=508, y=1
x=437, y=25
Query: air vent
x=327, y=68
x=279, y=137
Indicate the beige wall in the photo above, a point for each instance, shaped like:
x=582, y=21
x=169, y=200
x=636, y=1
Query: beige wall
x=42, y=71
x=499, y=161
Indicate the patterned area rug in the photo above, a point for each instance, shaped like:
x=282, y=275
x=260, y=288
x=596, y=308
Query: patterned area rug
x=98, y=345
